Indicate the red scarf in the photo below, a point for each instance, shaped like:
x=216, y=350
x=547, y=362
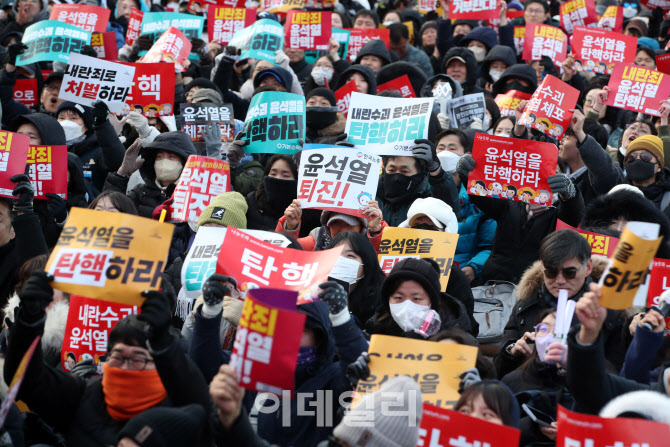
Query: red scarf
x=128, y=393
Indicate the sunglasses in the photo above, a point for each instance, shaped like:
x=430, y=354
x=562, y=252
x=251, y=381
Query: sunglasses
x=645, y=156
x=630, y=5
x=568, y=272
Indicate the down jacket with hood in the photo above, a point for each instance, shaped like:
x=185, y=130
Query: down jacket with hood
x=498, y=53
x=374, y=47
x=365, y=71
x=417, y=78
x=77, y=192
x=521, y=71
x=470, y=83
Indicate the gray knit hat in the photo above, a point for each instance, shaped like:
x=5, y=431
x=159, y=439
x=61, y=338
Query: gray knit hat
x=207, y=95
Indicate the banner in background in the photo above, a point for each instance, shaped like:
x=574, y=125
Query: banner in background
x=87, y=17
x=577, y=13
x=507, y=102
x=544, y=40
x=173, y=46
x=473, y=10
x=600, y=244
x=612, y=19
x=224, y=22
x=25, y=91
x=359, y=37
x=50, y=40
x=105, y=45
x=463, y=110
x=401, y=84
x=275, y=123
x=134, y=26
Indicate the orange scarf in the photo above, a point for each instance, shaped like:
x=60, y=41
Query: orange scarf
x=128, y=393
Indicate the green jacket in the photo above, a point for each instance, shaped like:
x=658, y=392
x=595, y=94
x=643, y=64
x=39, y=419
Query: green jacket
x=247, y=177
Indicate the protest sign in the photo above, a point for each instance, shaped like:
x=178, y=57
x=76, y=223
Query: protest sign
x=48, y=170
x=253, y=261
x=50, y=40
x=626, y=271
x=341, y=36
x=598, y=51
x=275, y=123
x=308, y=30
x=443, y=427
x=612, y=19
x=105, y=45
x=195, y=117
x=89, y=322
x=512, y=169
x=88, y=79
x=401, y=243
x=261, y=364
x=507, y=102
x=224, y=22
x=115, y=261
x=387, y=126
x=25, y=91
x=87, y=17
x=134, y=26
x=13, y=156
x=200, y=181
x=318, y=4
x=463, y=110
x=359, y=37
x=15, y=384
x=600, y=244
x=152, y=93
x=653, y=4
x=585, y=430
x=267, y=36
x=335, y=179
x=400, y=84
x=426, y=6
x=577, y=13
x=638, y=89
x=435, y=367
x=343, y=97
x=544, y=40
x=172, y=46
x=519, y=39
x=473, y=10
x=155, y=24
x=659, y=282
x=549, y=108
x=663, y=63
x=511, y=14
x=281, y=6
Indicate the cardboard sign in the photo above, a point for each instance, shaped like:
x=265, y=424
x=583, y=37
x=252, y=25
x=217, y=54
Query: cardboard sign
x=195, y=117
x=105, y=45
x=663, y=63
x=87, y=17
x=50, y=40
x=600, y=244
x=612, y=19
x=281, y=6
x=155, y=24
x=48, y=170
x=549, y=108
x=401, y=84
x=268, y=316
x=17, y=380
x=544, y=40
x=638, y=89
x=598, y=51
x=435, y=367
x=89, y=322
x=653, y=4
x=152, y=93
x=25, y=91
x=577, y=13
x=343, y=97
x=473, y=10
x=13, y=156
x=387, y=126
x=512, y=169
x=252, y=261
x=463, y=110
x=267, y=36
x=359, y=37
x=224, y=22
x=134, y=26
x=401, y=243
x=88, y=79
x=334, y=179
x=507, y=102
x=519, y=39
x=585, y=430
x=275, y=123
x=173, y=46
x=110, y=256
x=200, y=181
x=308, y=30
x=442, y=427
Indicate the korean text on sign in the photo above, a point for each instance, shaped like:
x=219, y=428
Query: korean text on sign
x=507, y=102
x=577, y=13
x=401, y=84
x=359, y=37
x=48, y=170
x=387, y=126
x=331, y=178
x=134, y=26
x=308, y=30
x=544, y=40
x=638, y=89
x=25, y=91
x=114, y=261
x=224, y=22
x=282, y=5
x=599, y=51
x=153, y=89
x=104, y=45
x=549, y=109
x=473, y=9
x=13, y=156
x=512, y=169
x=612, y=19
x=87, y=17
x=195, y=117
x=172, y=46
x=51, y=40
x=156, y=23
x=600, y=244
x=275, y=123
x=267, y=36
x=343, y=96
x=463, y=110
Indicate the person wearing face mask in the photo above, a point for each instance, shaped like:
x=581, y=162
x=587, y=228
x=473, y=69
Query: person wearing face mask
x=461, y=65
x=324, y=122
x=480, y=41
x=364, y=77
x=497, y=60
x=644, y=167
x=275, y=193
x=519, y=77
x=406, y=52
x=322, y=72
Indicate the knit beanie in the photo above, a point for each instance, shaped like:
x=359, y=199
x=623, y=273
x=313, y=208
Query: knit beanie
x=207, y=95
x=425, y=272
x=229, y=209
x=165, y=426
x=649, y=143
x=324, y=92
x=394, y=426
x=83, y=112
x=429, y=24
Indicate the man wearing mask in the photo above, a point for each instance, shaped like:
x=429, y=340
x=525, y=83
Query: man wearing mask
x=644, y=168
x=406, y=52
x=519, y=77
x=324, y=122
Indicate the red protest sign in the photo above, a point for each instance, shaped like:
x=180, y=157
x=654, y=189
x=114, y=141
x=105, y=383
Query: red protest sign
x=308, y=30
x=638, y=89
x=443, y=427
x=400, y=84
x=549, y=108
x=507, y=102
x=585, y=430
x=519, y=39
x=512, y=169
x=172, y=46
x=267, y=342
x=224, y=22
x=48, y=170
x=662, y=63
x=134, y=26
x=659, y=282
x=89, y=322
x=600, y=244
x=25, y=91
x=105, y=45
x=252, y=261
x=200, y=181
x=359, y=37
x=153, y=90
x=343, y=96
x=577, y=13
x=653, y=4
x=544, y=40
x=511, y=14
x=598, y=51
x=612, y=19
x=426, y=6
x=473, y=9
x=13, y=156
x=87, y=17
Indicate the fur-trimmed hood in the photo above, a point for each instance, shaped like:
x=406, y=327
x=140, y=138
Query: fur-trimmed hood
x=532, y=278
x=651, y=404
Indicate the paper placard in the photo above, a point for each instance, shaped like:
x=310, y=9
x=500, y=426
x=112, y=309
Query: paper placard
x=152, y=93
x=463, y=110
x=48, y=170
x=51, y=40
x=599, y=51
x=275, y=123
x=549, y=108
x=87, y=17
x=638, y=89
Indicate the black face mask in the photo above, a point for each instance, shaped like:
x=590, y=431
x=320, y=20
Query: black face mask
x=458, y=38
x=516, y=85
x=279, y=192
x=429, y=49
x=424, y=226
x=400, y=186
x=318, y=117
x=639, y=170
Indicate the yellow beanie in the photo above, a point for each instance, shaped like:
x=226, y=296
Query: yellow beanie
x=649, y=143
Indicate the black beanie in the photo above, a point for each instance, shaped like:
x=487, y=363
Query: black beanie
x=325, y=92
x=424, y=271
x=166, y=426
x=83, y=112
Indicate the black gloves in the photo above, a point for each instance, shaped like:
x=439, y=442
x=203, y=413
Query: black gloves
x=57, y=207
x=425, y=150
x=236, y=150
x=100, y=112
x=213, y=290
x=89, y=51
x=13, y=52
x=24, y=190
x=157, y=313
x=359, y=370
x=36, y=294
x=84, y=369
x=335, y=295
x=342, y=141
x=465, y=165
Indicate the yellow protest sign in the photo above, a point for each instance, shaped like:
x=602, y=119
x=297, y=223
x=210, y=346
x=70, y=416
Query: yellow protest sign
x=110, y=256
x=400, y=243
x=433, y=365
x=627, y=269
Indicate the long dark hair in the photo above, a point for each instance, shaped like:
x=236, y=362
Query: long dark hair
x=496, y=396
x=260, y=191
x=120, y=201
x=526, y=367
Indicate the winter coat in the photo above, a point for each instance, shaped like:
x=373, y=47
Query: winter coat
x=418, y=58
x=470, y=83
x=247, y=177
x=641, y=355
x=322, y=136
x=374, y=47
x=77, y=191
x=303, y=70
x=483, y=34
x=365, y=71
x=261, y=215
x=475, y=236
x=537, y=376
x=601, y=174
x=417, y=76
x=657, y=190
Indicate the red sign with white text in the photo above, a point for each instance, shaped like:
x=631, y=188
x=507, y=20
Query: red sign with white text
x=598, y=51
x=48, y=170
x=13, y=156
x=659, y=282
x=519, y=39
x=612, y=19
x=400, y=84
x=577, y=13
x=507, y=102
x=25, y=91
x=544, y=40
x=172, y=46
x=549, y=108
x=638, y=89
x=653, y=4
x=105, y=45
x=663, y=63
x=512, y=169
x=360, y=37
x=87, y=17
x=223, y=22
x=153, y=90
x=343, y=96
x=600, y=244
x=473, y=9
x=308, y=30
x=134, y=26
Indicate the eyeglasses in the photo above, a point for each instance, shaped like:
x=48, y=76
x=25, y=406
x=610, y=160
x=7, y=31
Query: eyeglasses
x=136, y=362
x=535, y=11
x=34, y=2
x=541, y=330
x=568, y=272
x=643, y=129
x=644, y=156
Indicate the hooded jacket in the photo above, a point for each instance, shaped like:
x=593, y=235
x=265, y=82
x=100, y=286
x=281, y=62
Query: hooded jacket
x=475, y=236
x=284, y=76
x=365, y=71
x=483, y=34
x=77, y=192
x=521, y=71
x=51, y=132
x=416, y=76
x=470, y=83
x=497, y=53
x=374, y=47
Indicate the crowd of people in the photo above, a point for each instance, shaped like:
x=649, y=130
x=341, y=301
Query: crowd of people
x=167, y=378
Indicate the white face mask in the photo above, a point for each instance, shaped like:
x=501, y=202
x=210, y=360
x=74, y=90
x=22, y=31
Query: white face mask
x=629, y=12
x=72, y=130
x=480, y=53
x=319, y=73
x=346, y=270
x=389, y=23
x=167, y=170
x=404, y=314
x=486, y=123
x=542, y=343
x=495, y=75
x=503, y=135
